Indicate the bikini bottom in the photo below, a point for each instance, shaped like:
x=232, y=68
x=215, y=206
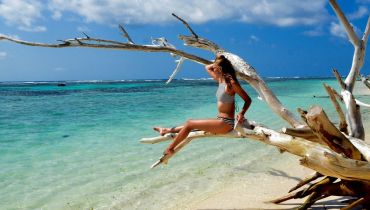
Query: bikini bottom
x=229, y=121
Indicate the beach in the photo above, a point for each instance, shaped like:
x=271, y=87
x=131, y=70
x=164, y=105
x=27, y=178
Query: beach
x=77, y=147
x=272, y=177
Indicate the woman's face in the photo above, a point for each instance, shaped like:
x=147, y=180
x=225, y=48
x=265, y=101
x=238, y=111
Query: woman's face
x=217, y=67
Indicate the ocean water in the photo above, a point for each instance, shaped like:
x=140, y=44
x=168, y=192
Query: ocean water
x=76, y=147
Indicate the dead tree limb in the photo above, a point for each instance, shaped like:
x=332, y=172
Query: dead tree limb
x=342, y=124
x=365, y=81
x=315, y=156
x=305, y=133
x=339, y=79
x=125, y=34
x=353, y=114
x=186, y=25
x=109, y=44
x=313, y=177
x=320, y=124
x=358, y=44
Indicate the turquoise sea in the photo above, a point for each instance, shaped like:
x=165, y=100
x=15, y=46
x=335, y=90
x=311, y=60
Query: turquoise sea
x=76, y=147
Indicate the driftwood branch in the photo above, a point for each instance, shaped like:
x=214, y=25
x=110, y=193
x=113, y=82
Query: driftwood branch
x=305, y=133
x=307, y=180
x=358, y=44
x=339, y=79
x=343, y=124
x=125, y=34
x=349, y=29
x=314, y=156
x=320, y=124
x=86, y=35
x=353, y=116
x=108, y=44
x=360, y=103
x=365, y=81
x=354, y=119
x=367, y=31
x=186, y=25
x=177, y=69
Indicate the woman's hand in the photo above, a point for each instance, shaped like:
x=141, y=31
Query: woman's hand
x=240, y=118
x=210, y=67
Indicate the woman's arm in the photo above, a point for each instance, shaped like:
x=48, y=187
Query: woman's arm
x=211, y=71
x=247, y=100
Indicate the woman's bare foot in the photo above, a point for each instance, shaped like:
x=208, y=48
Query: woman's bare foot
x=162, y=131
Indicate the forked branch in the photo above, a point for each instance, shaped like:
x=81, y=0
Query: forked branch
x=349, y=29
x=125, y=34
x=88, y=42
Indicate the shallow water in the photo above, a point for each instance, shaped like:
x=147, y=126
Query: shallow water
x=76, y=147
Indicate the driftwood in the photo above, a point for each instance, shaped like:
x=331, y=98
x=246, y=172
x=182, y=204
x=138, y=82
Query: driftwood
x=366, y=81
x=321, y=126
x=332, y=94
x=340, y=156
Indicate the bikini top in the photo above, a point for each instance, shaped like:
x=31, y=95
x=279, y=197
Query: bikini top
x=222, y=96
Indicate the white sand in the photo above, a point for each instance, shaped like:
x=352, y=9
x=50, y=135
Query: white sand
x=271, y=178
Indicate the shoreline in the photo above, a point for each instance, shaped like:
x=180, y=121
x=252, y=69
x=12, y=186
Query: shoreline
x=269, y=179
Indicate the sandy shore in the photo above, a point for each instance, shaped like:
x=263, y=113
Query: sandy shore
x=270, y=178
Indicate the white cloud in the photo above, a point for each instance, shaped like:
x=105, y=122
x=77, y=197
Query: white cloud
x=83, y=29
x=314, y=32
x=33, y=28
x=3, y=55
x=57, y=15
x=361, y=12
x=283, y=12
x=280, y=13
x=22, y=13
x=337, y=29
x=59, y=69
x=254, y=38
x=25, y=13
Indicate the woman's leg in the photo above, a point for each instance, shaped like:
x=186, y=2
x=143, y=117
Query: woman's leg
x=215, y=126
x=164, y=131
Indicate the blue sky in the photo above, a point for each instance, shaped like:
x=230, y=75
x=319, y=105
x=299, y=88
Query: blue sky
x=277, y=37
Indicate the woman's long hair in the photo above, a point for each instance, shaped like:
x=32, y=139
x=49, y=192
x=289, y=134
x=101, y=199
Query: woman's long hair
x=228, y=71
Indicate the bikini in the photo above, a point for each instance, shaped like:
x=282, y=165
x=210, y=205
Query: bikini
x=224, y=97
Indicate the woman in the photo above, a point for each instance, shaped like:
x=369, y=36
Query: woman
x=223, y=72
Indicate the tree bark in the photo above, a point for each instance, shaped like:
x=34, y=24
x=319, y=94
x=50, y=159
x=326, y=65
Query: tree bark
x=320, y=124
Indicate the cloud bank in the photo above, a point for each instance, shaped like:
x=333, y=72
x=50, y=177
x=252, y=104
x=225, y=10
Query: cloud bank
x=280, y=13
x=25, y=13
x=22, y=13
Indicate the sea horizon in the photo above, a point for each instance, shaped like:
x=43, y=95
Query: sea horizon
x=270, y=78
